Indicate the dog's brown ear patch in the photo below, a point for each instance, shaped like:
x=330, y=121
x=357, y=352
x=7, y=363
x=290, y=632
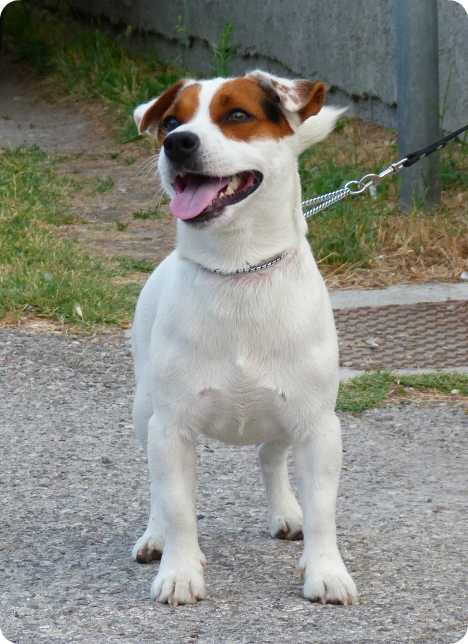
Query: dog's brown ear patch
x=244, y=110
x=152, y=117
x=301, y=97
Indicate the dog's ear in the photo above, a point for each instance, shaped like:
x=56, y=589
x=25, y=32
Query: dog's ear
x=148, y=115
x=301, y=97
x=316, y=128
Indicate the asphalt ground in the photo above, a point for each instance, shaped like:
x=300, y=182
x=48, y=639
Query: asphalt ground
x=75, y=498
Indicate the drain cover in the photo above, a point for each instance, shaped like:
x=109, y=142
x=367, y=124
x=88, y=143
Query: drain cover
x=429, y=335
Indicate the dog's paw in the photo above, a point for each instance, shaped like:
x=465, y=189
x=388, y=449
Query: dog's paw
x=180, y=582
x=287, y=525
x=148, y=547
x=328, y=581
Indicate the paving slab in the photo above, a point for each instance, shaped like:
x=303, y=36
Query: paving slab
x=75, y=498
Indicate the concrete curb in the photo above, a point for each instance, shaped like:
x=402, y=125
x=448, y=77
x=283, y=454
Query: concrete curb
x=347, y=374
x=399, y=295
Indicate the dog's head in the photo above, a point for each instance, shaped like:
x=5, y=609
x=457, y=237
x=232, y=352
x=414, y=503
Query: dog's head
x=230, y=143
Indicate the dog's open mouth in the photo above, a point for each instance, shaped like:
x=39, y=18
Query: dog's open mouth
x=200, y=198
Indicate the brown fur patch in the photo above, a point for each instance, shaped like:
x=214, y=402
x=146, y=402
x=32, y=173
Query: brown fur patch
x=183, y=108
x=246, y=94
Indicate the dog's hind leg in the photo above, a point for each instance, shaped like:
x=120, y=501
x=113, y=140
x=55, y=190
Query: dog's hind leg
x=142, y=412
x=318, y=464
x=150, y=545
x=284, y=512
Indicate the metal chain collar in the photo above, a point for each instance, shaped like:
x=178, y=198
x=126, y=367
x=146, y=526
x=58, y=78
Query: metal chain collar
x=252, y=269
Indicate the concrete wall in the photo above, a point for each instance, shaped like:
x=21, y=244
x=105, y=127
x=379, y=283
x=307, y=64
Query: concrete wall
x=348, y=44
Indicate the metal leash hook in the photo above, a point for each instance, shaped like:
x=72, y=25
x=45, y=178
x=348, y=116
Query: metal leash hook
x=370, y=180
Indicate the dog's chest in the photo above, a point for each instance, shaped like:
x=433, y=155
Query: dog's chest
x=230, y=394
x=237, y=361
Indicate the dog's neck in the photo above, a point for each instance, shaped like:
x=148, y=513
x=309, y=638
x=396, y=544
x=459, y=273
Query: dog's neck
x=255, y=234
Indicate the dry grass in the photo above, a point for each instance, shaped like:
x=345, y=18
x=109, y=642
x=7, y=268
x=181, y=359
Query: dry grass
x=421, y=397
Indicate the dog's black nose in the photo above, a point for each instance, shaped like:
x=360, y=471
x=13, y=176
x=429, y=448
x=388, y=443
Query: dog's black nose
x=180, y=146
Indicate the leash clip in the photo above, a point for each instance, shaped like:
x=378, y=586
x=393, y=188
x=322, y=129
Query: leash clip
x=372, y=180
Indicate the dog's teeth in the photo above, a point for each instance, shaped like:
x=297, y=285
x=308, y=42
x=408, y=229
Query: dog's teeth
x=232, y=186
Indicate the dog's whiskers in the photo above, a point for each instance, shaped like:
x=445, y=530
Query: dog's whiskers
x=148, y=169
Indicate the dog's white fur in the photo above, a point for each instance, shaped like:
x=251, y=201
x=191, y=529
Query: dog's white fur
x=246, y=359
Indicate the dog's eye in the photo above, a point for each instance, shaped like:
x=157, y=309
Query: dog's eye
x=238, y=116
x=170, y=123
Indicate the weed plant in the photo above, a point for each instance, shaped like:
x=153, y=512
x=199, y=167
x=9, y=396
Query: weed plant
x=223, y=52
x=147, y=214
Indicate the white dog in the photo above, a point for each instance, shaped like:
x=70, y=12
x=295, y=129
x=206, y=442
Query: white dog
x=234, y=335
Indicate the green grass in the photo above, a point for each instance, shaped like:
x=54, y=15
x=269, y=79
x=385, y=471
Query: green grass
x=453, y=166
x=354, y=231
x=147, y=214
x=103, y=185
x=87, y=61
x=43, y=275
x=370, y=390
x=132, y=265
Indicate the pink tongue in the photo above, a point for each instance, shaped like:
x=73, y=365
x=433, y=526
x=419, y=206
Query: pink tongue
x=198, y=195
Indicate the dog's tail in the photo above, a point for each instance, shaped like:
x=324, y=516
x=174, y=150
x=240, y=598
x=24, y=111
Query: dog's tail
x=318, y=127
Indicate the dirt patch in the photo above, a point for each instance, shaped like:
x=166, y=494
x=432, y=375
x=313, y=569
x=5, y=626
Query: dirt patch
x=28, y=115
x=120, y=190
x=420, y=397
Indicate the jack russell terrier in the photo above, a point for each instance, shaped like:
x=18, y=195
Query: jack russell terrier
x=234, y=335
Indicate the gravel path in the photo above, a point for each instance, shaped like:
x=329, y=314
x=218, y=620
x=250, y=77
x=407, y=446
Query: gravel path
x=75, y=498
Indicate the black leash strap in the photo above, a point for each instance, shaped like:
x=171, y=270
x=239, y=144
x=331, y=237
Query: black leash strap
x=433, y=147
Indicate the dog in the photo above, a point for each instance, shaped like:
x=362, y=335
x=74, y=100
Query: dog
x=234, y=336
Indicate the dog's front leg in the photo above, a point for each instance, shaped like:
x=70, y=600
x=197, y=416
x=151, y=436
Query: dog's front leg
x=318, y=466
x=172, y=462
